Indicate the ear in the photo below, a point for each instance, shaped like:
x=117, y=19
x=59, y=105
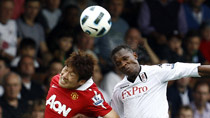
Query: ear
x=81, y=82
x=135, y=55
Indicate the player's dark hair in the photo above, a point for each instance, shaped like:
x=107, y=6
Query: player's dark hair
x=118, y=48
x=82, y=63
x=200, y=83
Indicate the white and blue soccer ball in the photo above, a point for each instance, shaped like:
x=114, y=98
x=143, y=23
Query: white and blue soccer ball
x=96, y=21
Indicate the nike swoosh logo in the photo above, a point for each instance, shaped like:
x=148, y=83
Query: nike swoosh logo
x=93, y=28
x=53, y=86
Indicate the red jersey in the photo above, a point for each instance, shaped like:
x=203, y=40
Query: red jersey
x=65, y=103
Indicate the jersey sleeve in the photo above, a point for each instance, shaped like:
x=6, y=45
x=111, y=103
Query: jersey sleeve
x=177, y=71
x=117, y=104
x=98, y=106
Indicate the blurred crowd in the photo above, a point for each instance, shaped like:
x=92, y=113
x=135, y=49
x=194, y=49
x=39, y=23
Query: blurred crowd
x=36, y=36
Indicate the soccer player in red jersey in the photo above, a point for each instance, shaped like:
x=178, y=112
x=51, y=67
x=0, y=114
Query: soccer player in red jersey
x=73, y=91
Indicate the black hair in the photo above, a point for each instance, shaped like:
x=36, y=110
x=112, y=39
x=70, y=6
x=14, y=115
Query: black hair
x=82, y=63
x=120, y=47
x=27, y=1
x=200, y=83
x=27, y=42
x=6, y=61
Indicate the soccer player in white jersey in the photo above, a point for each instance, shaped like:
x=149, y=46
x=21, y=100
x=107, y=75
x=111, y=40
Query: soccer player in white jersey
x=142, y=93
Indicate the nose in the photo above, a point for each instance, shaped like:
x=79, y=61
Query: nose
x=65, y=74
x=123, y=64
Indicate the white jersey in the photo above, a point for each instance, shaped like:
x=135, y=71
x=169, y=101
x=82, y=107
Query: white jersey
x=8, y=37
x=146, y=96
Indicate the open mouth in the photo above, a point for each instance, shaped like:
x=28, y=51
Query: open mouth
x=62, y=80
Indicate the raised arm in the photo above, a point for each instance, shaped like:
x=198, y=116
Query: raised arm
x=204, y=70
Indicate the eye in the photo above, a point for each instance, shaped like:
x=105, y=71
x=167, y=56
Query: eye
x=72, y=74
x=125, y=58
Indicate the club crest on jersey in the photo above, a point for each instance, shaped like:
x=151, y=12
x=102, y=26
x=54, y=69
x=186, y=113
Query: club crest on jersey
x=98, y=101
x=143, y=77
x=74, y=96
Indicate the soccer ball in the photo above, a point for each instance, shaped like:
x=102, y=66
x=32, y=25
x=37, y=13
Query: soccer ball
x=96, y=21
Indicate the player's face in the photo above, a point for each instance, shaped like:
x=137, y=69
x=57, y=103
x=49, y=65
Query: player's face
x=69, y=79
x=126, y=62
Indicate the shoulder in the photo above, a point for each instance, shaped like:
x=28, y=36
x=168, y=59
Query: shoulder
x=55, y=79
x=121, y=85
x=12, y=22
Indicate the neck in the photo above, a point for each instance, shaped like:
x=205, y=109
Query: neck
x=182, y=89
x=3, y=21
x=26, y=79
x=132, y=78
x=12, y=102
x=200, y=108
x=29, y=21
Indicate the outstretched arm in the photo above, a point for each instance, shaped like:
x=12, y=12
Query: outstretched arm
x=204, y=70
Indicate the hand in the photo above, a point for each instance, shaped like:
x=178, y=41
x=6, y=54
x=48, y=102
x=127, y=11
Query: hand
x=161, y=39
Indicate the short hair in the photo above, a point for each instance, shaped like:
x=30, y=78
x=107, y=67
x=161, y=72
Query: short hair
x=27, y=42
x=120, y=47
x=200, y=83
x=82, y=63
x=6, y=61
x=4, y=80
x=27, y=1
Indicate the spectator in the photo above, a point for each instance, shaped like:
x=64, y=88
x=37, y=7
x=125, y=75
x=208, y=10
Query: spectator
x=69, y=21
x=81, y=4
x=97, y=78
x=8, y=30
x=192, y=53
x=158, y=19
x=175, y=53
x=134, y=39
x=200, y=105
x=110, y=80
x=29, y=28
x=37, y=110
x=18, y=8
x=62, y=46
x=30, y=88
x=205, y=41
x=185, y=112
x=85, y=43
x=196, y=13
x=50, y=15
x=27, y=47
x=12, y=106
x=105, y=44
x=54, y=68
x=179, y=94
x=4, y=69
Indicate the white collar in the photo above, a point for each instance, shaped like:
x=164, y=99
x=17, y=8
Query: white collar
x=87, y=84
